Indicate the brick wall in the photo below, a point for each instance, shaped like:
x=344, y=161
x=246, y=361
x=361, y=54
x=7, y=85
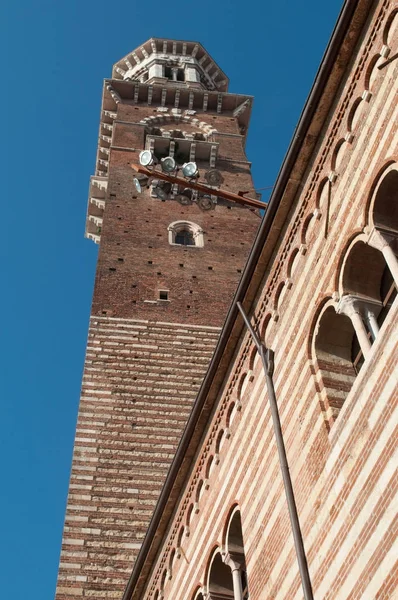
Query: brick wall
x=135, y=258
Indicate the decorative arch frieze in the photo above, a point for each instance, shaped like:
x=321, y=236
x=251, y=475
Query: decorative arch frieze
x=391, y=27
x=179, y=119
x=338, y=153
x=171, y=563
x=372, y=72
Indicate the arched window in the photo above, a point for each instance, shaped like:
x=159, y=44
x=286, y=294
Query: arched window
x=335, y=348
x=220, y=583
x=384, y=212
x=185, y=233
x=368, y=287
x=386, y=296
x=368, y=280
x=235, y=556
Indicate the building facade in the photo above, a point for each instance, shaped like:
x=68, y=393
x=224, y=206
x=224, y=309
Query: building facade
x=169, y=263
x=320, y=287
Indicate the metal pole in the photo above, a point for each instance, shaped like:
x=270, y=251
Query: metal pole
x=267, y=357
x=194, y=185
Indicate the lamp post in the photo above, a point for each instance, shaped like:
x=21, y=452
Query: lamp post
x=267, y=358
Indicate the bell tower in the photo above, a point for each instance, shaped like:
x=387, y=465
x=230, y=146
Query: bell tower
x=169, y=262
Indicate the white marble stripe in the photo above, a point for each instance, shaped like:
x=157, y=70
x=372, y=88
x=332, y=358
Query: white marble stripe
x=357, y=528
x=386, y=567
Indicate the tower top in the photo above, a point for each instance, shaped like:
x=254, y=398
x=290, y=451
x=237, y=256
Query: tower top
x=180, y=63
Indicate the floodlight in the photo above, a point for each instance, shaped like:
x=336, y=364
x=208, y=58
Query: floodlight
x=140, y=182
x=214, y=177
x=205, y=202
x=147, y=159
x=168, y=164
x=162, y=190
x=137, y=185
x=160, y=193
x=189, y=169
x=185, y=197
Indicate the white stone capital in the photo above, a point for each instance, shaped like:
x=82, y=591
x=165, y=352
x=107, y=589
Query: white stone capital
x=234, y=561
x=381, y=238
x=349, y=306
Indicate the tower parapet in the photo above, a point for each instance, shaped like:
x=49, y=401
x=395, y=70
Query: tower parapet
x=175, y=62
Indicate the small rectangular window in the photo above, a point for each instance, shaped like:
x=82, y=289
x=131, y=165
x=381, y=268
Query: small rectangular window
x=163, y=295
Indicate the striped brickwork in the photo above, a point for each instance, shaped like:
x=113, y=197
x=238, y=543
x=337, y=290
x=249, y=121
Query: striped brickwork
x=343, y=462
x=139, y=383
x=345, y=487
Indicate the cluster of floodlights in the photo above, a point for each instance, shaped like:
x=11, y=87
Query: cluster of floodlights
x=162, y=189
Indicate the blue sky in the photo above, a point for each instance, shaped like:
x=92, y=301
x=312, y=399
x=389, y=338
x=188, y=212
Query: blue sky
x=56, y=54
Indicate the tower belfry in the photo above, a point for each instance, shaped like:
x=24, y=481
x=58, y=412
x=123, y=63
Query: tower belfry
x=168, y=265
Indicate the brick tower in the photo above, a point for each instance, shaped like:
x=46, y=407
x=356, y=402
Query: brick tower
x=168, y=265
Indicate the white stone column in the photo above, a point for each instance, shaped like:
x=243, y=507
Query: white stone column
x=372, y=322
x=350, y=306
x=236, y=569
x=381, y=240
